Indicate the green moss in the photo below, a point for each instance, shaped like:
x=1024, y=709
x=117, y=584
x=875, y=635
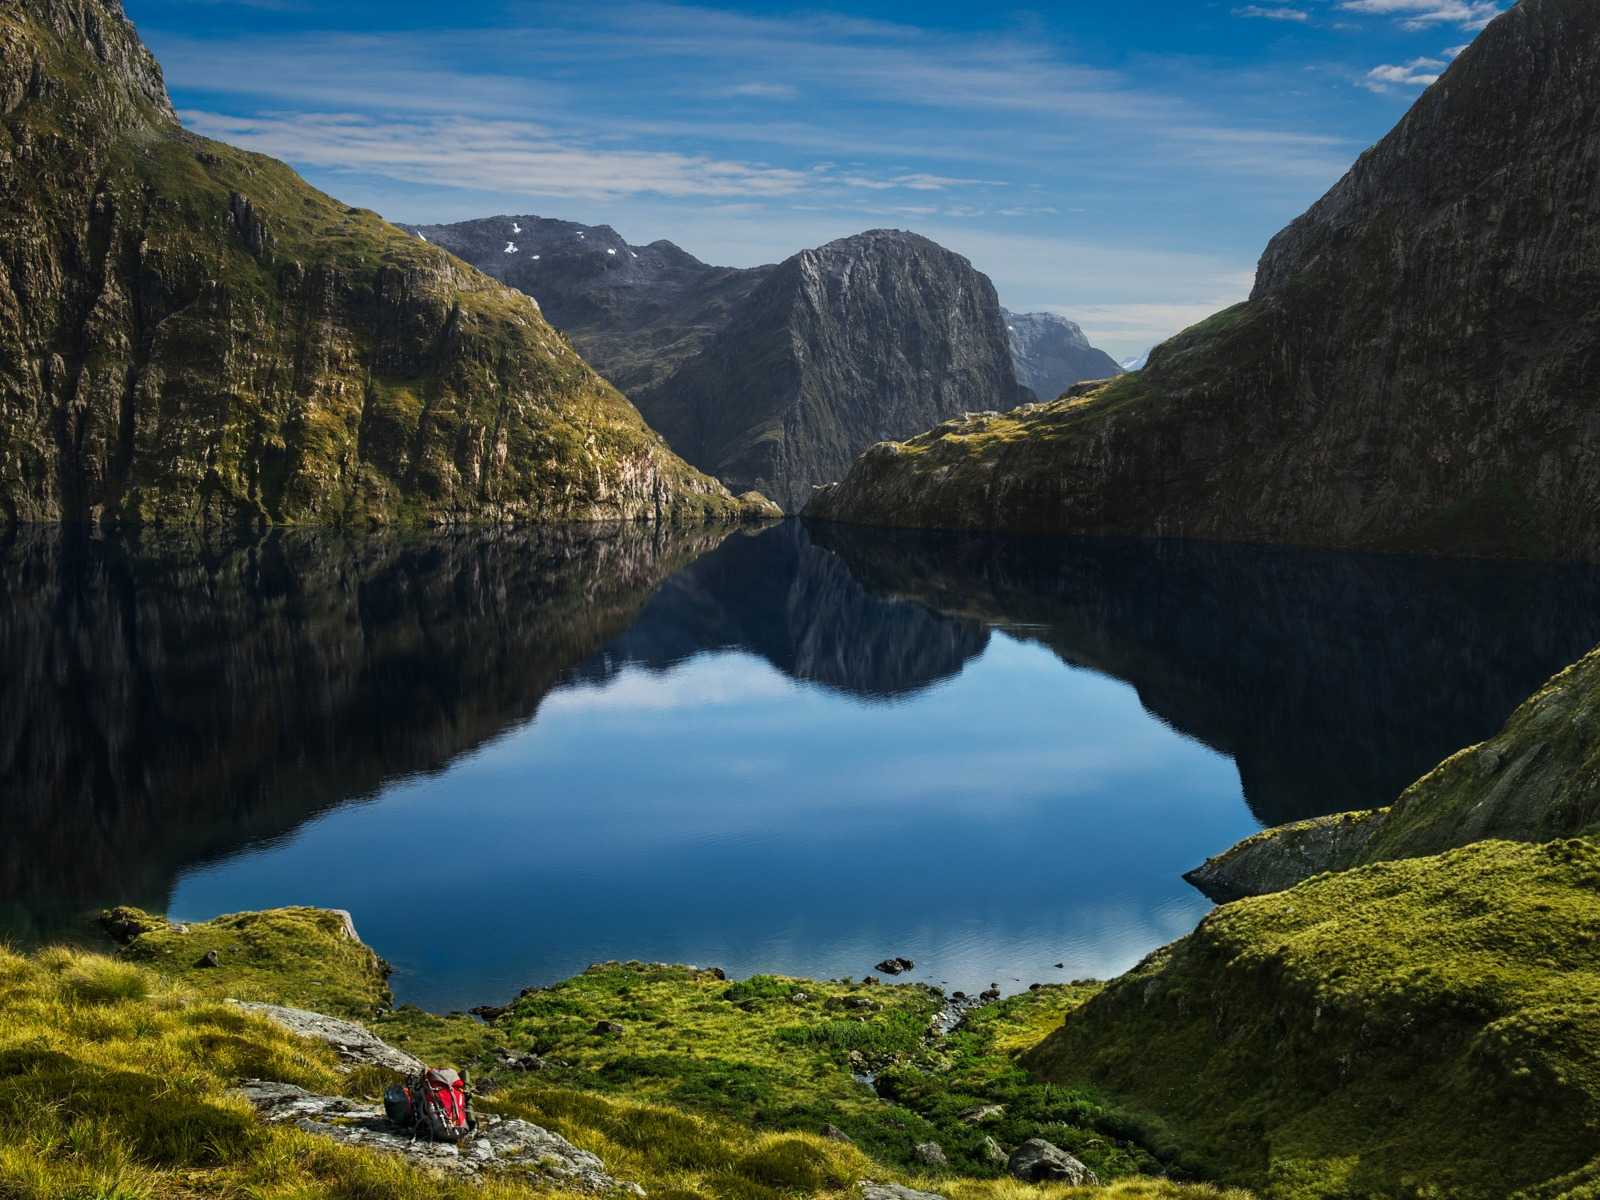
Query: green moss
x=1425, y=1027
x=301, y=957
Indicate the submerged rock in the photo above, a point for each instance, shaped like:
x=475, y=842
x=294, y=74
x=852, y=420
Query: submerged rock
x=354, y=1044
x=1039, y=1161
x=895, y=966
x=501, y=1144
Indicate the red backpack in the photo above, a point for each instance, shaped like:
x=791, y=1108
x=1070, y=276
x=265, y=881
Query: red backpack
x=433, y=1104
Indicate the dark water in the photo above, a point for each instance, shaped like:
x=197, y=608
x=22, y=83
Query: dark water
x=778, y=750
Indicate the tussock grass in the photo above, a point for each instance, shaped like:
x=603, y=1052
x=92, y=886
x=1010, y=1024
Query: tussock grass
x=1427, y=1027
x=115, y=1078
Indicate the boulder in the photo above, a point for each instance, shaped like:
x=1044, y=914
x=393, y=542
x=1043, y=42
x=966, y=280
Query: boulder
x=930, y=1154
x=209, y=959
x=354, y=1044
x=500, y=1145
x=895, y=966
x=894, y=1191
x=984, y=1112
x=992, y=1152
x=834, y=1134
x=1038, y=1161
x=608, y=1028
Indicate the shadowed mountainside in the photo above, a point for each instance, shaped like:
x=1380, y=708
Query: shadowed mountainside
x=1417, y=367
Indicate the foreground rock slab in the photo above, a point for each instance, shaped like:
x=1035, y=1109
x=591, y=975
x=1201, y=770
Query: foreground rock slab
x=1039, y=1161
x=502, y=1144
x=353, y=1043
x=894, y=1191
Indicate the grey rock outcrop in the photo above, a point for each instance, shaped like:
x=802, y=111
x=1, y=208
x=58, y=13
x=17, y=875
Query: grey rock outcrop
x=1039, y=1161
x=1417, y=367
x=930, y=1154
x=500, y=1145
x=353, y=1043
x=1053, y=353
x=893, y=1191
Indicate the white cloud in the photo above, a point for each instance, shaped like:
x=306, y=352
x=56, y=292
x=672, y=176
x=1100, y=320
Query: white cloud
x=1419, y=72
x=1423, y=14
x=760, y=91
x=1272, y=12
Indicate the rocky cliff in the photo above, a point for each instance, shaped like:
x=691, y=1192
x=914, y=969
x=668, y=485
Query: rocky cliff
x=1053, y=353
x=190, y=334
x=1536, y=780
x=775, y=377
x=1417, y=367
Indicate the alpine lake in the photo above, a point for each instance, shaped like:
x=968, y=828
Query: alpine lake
x=792, y=748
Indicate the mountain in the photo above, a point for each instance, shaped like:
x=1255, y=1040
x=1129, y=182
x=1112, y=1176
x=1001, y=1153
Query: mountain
x=1416, y=369
x=1052, y=353
x=1136, y=363
x=190, y=334
x=773, y=377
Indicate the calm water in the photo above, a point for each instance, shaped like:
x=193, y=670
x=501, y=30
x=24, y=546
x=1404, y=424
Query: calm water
x=779, y=750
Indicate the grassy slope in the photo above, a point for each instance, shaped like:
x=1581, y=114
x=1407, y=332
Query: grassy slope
x=1428, y=1027
x=108, y=1038
x=1535, y=780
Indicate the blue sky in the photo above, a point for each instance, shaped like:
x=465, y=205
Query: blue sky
x=1123, y=164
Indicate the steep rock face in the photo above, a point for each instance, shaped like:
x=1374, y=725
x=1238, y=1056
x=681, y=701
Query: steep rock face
x=1417, y=368
x=1536, y=780
x=771, y=378
x=190, y=334
x=839, y=347
x=1053, y=353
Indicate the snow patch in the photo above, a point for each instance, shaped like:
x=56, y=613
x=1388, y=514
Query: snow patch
x=534, y=257
x=422, y=235
x=610, y=251
x=511, y=247
x=515, y=228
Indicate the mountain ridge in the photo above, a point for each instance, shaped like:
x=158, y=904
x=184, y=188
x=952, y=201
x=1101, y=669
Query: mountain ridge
x=192, y=335
x=1414, y=370
x=673, y=333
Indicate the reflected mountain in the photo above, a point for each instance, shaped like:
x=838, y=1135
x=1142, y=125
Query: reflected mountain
x=777, y=595
x=173, y=702
x=1332, y=680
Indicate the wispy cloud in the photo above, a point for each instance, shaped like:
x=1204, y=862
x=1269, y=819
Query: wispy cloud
x=1419, y=72
x=760, y=91
x=1272, y=12
x=1424, y=14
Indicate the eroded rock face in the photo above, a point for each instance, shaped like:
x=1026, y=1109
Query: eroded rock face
x=500, y=1145
x=1417, y=368
x=771, y=378
x=1282, y=857
x=353, y=1043
x=191, y=335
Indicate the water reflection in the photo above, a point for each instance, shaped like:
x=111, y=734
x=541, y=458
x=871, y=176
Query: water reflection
x=779, y=748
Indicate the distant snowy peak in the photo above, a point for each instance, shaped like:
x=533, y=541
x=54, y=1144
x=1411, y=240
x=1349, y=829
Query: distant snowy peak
x=1136, y=363
x=1052, y=353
